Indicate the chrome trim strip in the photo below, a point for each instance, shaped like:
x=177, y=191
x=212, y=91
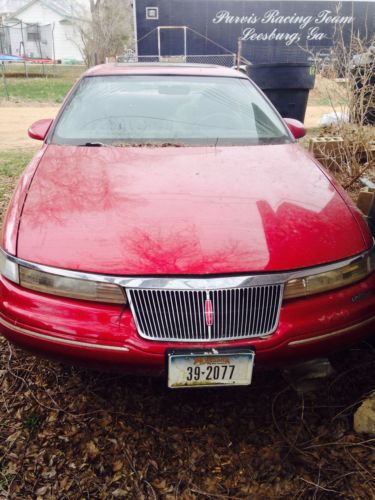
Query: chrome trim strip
x=192, y=283
x=332, y=334
x=60, y=340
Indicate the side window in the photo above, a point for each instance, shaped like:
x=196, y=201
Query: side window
x=264, y=126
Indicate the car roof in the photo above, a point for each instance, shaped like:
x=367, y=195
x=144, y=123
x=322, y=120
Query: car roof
x=163, y=69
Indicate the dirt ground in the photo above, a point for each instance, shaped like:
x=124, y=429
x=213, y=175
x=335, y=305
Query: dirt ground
x=314, y=113
x=15, y=120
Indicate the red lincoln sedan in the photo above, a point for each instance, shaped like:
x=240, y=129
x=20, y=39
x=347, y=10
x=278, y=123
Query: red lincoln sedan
x=171, y=224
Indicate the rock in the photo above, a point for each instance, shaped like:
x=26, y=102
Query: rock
x=364, y=417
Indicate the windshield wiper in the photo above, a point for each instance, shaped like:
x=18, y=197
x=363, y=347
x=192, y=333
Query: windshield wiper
x=150, y=145
x=95, y=145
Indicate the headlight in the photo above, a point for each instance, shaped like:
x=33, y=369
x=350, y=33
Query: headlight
x=329, y=280
x=72, y=288
x=8, y=268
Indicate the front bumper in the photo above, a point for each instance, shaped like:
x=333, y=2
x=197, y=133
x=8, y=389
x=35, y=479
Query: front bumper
x=105, y=336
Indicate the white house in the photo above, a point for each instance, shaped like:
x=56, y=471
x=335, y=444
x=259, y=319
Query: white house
x=9, y=6
x=45, y=29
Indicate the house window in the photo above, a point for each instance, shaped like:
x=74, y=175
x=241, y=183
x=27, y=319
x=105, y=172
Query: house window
x=152, y=13
x=33, y=34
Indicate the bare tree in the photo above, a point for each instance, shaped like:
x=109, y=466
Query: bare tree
x=107, y=32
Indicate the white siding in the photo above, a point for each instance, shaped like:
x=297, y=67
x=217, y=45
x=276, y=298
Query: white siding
x=21, y=45
x=66, y=42
x=15, y=36
x=38, y=13
x=66, y=36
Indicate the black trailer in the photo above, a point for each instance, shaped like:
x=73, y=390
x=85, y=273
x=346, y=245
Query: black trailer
x=268, y=31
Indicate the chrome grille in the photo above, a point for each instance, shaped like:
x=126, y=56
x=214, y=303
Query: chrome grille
x=180, y=315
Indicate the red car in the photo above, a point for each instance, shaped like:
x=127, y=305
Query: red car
x=171, y=224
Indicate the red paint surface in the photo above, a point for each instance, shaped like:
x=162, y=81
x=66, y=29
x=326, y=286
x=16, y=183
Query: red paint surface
x=113, y=325
x=145, y=211
x=12, y=218
x=171, y=211
x=39, y=129
x=296, y=127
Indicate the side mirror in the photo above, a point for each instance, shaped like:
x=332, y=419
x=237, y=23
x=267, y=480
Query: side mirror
x=39, y=129
x=296, y=127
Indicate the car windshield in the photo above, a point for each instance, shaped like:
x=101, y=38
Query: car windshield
x=163, y=110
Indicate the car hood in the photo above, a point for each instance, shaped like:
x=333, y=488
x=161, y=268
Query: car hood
x=184, y=210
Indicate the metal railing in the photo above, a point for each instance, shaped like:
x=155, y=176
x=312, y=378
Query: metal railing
x=228, y=60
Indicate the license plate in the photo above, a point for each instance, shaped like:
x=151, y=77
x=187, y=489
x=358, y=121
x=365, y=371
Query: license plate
x=208, y=369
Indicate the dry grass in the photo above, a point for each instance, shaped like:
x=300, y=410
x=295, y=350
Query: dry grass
x=349, y=159
x=11, y=165
x=327, y=92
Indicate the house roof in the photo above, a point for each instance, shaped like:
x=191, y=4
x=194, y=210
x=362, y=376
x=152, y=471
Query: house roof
x=7, y=6
x=61, y=7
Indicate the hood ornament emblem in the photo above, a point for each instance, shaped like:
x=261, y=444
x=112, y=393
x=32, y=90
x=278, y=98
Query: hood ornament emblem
x=208, y=311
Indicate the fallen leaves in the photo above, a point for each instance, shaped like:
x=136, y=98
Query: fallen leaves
x=92, y=450
x=138, y=440
x=40, y=492
x=120, y=493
